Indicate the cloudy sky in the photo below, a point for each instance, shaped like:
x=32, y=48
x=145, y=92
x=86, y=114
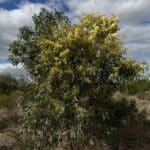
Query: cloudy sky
x=134, y=23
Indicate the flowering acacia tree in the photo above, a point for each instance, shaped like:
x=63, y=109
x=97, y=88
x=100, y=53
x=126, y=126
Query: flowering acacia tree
x=75, y=70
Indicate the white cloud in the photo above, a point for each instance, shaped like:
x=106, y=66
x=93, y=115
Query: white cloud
x=12, y=20
x=137, y=39
x=129, y=10
x=8, y=68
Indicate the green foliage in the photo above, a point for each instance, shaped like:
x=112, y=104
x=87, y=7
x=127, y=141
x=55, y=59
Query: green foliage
x=9, y=91
x=75, y=68
x=138, y=86
x=26, y=49
x=9, y=101
x=121, y=113
x=7, y=84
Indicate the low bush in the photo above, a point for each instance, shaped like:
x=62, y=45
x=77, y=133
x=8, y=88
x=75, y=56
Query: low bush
x=138, y=86
x=9, y=101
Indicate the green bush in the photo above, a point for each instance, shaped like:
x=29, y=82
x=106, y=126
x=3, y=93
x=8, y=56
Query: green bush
x=9, y=101
x=7, y=84
x=138, y=86
x=75, y=70
x=9, y=90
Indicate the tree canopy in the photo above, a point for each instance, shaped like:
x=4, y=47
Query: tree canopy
x=76, y=68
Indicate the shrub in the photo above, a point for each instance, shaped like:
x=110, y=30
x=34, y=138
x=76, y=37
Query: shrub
x=76, y=68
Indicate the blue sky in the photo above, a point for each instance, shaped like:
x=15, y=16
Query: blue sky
x=134, y=22
x=12, y=4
